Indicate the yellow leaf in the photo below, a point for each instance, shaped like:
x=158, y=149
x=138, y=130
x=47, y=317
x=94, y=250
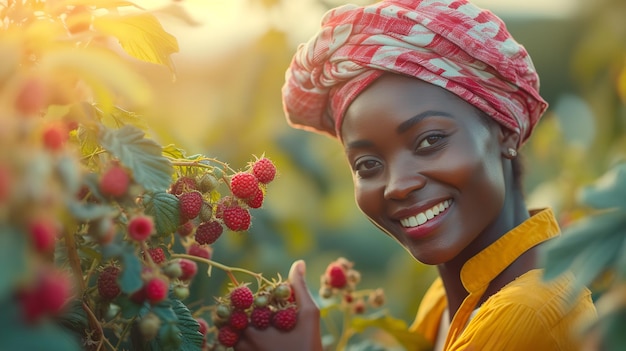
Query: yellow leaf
x=141, y=36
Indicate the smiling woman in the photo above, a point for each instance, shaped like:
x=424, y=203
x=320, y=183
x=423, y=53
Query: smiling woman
x=431, y=101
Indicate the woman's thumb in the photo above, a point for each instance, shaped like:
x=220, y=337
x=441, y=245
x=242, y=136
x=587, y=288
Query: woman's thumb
x=298, y=283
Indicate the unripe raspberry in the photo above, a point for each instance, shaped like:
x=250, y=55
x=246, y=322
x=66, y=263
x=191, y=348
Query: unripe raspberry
x=183, y=185
x=180, y=292
x=190, y=205
x=243, y=185
x=43, y=233
x=377, y=298
x=189, y=269
x=241, y=297
x=114, y=182
x=202, y=251
x=108, y=287
x=282, y=292
x=236, y=218
x=227, y=336
x=264, y=170
x=149, y=326
x=103, y=230
x=260, y=317
x=238, y=320
x=285, y=319
x=208, y=232
x=156, y=290
x=223, y=312
x=173, y=269
x=140, y=227
x=208, y=182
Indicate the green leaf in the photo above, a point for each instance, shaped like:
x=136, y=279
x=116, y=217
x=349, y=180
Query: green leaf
x=129, y=308
x=88, y=211
x=13, y=259
x=609, y=191
x=559, y=254
x=141, y=36
x=179, y=330
x=163, y=207
x=191, y=337
x=130, y=277
x=395, y=327
x=143, y=156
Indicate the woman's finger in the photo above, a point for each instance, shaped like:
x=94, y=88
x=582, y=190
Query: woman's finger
x=297, y=273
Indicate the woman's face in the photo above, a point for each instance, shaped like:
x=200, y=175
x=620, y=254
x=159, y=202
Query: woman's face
x=427, y=169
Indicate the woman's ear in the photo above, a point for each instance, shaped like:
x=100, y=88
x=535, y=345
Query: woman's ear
x=509, y=142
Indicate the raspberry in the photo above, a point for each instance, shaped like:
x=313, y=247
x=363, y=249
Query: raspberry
x=241, y=297
x=54, y=136
x=236, y=218
x=208, y=182
x=204, y=326
x=282, y=292
x=208, y=232
x=260, y=317
x=114, y=182
x=336, y=276
x=140, y=227
x=183, y=185
x=256, y=200
x=108, y=287
x=149, y=326
x=238, y=320
x=285, y=319
x=43, y=233
x=156, y=290
x=189, y=268
x=185, y=229
x=48, y=296
x=200, y=251
x=243, y=185
x=157, y=255
x=190, y=205
x=227, y=336
x=264, y=170
x=32, y=96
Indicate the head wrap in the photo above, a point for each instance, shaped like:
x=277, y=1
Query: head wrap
x=449, y=43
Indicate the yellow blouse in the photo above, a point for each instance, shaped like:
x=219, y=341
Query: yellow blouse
x=526, y=314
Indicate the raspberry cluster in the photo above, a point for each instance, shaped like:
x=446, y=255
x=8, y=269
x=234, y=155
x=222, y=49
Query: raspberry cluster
x=340, y=281
x=273, y=305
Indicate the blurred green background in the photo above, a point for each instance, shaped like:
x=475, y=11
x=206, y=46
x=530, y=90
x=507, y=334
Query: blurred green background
x=225, y=103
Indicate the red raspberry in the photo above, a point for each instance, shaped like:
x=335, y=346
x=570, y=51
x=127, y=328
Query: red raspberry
x=243, y=185
x=256, y=200
x=336, y=276
x=108, y=287
x=157, y=255
x=238, y=320
x=156, y=290
x=114, y=182
x=241, y=297
x=260, y=317
x=236, y=218
x=200, y=251
x=185, y=229
x=285, y=319
x=49, y=295
x=204, y=326
x=183, y=185
x=54, y=136
x=32, y=96
x=189, y=268
x=208, y=232
x=140, y=227
x=190, y=205
x=264, y=170
x=227, y=336
x=43, y=233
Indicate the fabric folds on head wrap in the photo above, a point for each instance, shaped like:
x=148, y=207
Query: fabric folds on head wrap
x=449, y=43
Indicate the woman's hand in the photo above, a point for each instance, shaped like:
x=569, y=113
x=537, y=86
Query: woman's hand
x=306, y=334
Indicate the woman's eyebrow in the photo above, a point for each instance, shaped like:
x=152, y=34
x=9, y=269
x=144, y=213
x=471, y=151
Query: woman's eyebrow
x=406, y=125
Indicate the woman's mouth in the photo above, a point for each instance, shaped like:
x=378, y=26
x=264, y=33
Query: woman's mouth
x=423, y=217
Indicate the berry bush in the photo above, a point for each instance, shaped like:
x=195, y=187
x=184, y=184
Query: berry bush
x=102, y=228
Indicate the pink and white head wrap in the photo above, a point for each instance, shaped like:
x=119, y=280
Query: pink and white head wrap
x=450, y=43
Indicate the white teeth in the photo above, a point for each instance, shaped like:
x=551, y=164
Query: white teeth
x=424, y=217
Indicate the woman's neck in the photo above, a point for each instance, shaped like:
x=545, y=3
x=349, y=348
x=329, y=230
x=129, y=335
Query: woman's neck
x=513, y=213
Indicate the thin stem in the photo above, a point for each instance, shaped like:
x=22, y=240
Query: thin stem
x=346, y=332
x=93, y=321
x=198, y=163
x=229, y=270
x=72, y=255
x=123, y=334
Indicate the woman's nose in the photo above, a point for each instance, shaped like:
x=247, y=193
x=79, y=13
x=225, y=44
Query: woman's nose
x=403, y=179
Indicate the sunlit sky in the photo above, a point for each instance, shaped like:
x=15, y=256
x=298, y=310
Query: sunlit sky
x=225, y=24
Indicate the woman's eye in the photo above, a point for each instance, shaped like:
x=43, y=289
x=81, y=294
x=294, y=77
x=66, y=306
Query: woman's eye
x=366, y=167
x=430, y=141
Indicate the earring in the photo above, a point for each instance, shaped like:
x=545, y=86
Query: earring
x=512, y=152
